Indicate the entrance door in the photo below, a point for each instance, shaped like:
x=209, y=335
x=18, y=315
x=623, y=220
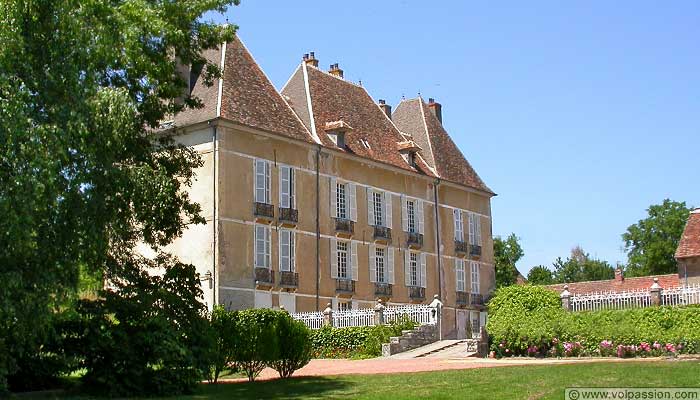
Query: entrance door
x=462, y=321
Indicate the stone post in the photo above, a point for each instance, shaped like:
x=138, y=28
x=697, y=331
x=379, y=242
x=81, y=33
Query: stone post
x=379, y=313
x=655, y=293
x=328, y=315
x=436, y=316
x=566, y=298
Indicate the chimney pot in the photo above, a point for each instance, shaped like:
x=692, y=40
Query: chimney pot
x=312, y=54
x=385, y=107
x=335, y=70
x=382, y=101
x=310, y=59
x=306, y=56
x=436, y=108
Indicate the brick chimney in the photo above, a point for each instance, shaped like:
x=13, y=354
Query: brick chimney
x=335, y=70
x=436, y=108
x=310, y=59
x=619, y=275
x=385, y=107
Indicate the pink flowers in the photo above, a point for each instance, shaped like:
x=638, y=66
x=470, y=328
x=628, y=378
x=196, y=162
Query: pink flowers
x=532, y=350
x=572, y=349
x=606, y=344
x=645, y=347
x=657, y=345
x=670, y=348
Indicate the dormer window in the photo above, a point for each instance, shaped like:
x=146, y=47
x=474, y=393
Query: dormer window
x=408, y=150
x=338, y=138
x=412, y=158
x=336, y=132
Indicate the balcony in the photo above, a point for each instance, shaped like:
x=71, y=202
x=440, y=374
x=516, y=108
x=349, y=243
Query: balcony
x=289, y=216
x=343, y=285
x=474, y=250
x=344, y=227
x=382, y=233
x=416, y=293
x=382, y=289
x=462, y=298
x=264, y=276
x=289, y=279
x=415, y=240
x=461, y=247
x=477, y=299
x=263, y=211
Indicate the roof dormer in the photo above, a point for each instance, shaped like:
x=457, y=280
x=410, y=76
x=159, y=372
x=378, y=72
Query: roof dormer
x=336, y=131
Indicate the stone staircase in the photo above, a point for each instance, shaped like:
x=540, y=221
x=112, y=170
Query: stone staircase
x=411, y=339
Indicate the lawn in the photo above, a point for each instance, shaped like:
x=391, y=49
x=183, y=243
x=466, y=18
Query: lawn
x=515, y=382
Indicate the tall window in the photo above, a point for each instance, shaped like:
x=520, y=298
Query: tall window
x=378, y=200
x=287, y=251
x=411, y=214
x=474, y=229
x=475, y=277
x=459, y=271
x=341, y=201
x=286, y=187
x=262, y=246
x=459, y=229
x=414, y=274
x=380, y=264
x=342, y=255
x=262, y=181
x=344, y=306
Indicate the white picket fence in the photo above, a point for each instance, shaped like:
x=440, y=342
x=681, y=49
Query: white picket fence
x=634, y=298
x=419, y=313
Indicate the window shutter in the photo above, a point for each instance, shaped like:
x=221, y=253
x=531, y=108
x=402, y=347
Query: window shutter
x=407, y=267
x=334, y=198
x=459, y=231
x=292, y=188
x=283, y=256
x=472, y=230
x=419, y=215
x=477, y=229
x=422, y=270
x=372, y=263
x=268, y=247
x=404, y=214
x=334, y=258
x=352, y=201
x=370, y=207
x=285, y=186
x=353, y=260
x=258, y=181
x=387, y=207
x=292, y=251
x=255, y=247
x=390, y=264
x=475, y=277
x=334, y=304
x=268, y=200
x=459, y=272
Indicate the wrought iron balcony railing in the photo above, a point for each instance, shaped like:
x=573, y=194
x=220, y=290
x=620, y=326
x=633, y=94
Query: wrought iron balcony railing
x=461, y=247
x=474, y=250
x=345, y=226
x=462, y=298
x=264, y=210
x=415, y=240
x=264, y=276
x=289, y=215
x=382, y=233
x=415, y=292
x=477, y=299
x=289, y=279
x=382, y=289
x=343, y=285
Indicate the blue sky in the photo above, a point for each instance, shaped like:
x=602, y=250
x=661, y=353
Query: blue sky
x=578, y=114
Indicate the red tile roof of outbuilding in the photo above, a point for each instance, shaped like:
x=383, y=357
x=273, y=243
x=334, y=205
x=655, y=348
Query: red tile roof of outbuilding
x=689, y=245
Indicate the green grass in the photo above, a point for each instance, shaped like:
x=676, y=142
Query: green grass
x=515, y=382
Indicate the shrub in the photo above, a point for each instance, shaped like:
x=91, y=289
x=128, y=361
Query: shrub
x=223, y=328
x=256, y=344
x=294, y=345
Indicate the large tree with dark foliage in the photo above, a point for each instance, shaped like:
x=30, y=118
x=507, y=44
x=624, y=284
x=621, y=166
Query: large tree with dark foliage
x=84, y=175
x=507, y=252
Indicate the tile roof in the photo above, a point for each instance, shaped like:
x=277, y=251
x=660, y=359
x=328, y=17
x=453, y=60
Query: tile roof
x=332, y=100
x=614, y=285
x=689, y=245
x=247, y=96
x=415, y=118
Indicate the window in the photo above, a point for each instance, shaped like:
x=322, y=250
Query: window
x=344, y=306
x=338, y=138
x=341, y=201
x=287, y=250
x=459, y=229
x=413, y=269
x=475, y=277
x=459, y=272
x=378, y=208
x=286, y=187
x=342, y=256
x=474, y=229
x=377, y=199
x=379, y=264
x=262, y=181
x=262, y=246
x=411, y=209
x=412, y=215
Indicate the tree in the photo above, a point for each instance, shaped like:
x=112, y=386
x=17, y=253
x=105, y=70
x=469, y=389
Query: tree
x=651, y=242
x=579, y=267
x=84, y=173
x=506, y=253
x=540, y=275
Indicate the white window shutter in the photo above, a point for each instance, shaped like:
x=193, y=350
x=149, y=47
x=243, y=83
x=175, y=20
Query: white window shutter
x=268, y=200
x=285, y=186
x=459, y=228
x=258, y=181
x=422, y=270
x=387, y=207
x=352, y=201
x=334, y=199
x=334, y=258
x=282, y=255
x=370, y=207
x=477, y=229
x=390, y=264
x=472, y=230
x=372, y=263
x=292, y=188
x=407, y=267
x=419, y=215
x=353, y=260
x=482, y=318
x=404, y=214
x=292, y=251
x=255, y=246
x=268, y=247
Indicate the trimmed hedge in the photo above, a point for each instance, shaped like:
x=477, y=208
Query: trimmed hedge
x=529, y=321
